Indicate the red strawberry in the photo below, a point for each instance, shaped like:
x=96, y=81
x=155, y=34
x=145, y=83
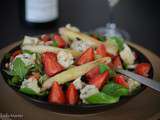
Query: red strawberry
x=56, y=94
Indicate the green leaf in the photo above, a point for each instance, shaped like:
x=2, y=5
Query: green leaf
x=27, y=51
x=19, y=68
x=101, y=37
x=7, y=56
x=119, y=41
x=42, y=79
x=101, y=98
x=104, y=68
x=27, y=91
x=115, y=90
x=8, y=72
x=15, y=81
x=55, y=43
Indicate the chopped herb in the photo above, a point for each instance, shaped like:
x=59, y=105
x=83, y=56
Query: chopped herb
x=55, y=43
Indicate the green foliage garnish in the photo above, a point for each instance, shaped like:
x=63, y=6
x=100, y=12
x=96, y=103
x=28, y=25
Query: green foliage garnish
x=55, y=43
x=19, y=68
x=101, y=98
x=29, y=91
x=42, y=79
x=115, y=90
x=104, y=68
x=119, y=41
x=15, y=81
x=38, y=65
x=27, y=51
x=7, y=56
x=100, y=37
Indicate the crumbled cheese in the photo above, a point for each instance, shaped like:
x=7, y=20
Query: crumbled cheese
x=127, y=56
x=72, y=28
x=80, y=45
x=32, y=84
x=65, y=58
x=87, y=91
x=132, y=84
x=30, y=40
x=27, y=58
x=78, y=83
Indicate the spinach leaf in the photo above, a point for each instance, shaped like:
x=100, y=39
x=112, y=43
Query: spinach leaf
x=19, y=68
x=115, y=90
x=101, y=98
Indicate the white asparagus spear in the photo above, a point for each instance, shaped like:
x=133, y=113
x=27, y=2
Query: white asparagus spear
x=73, y=73
x=44, y=48
x=74, y=35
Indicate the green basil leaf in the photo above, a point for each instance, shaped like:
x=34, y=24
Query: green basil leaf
x=8, y=72
x=55, y=43
x=27, y=51
x=7, y=56
x=19, y=68
x=115, y=90
x=101, y=98
x=101, y=37
x=27, y=91
x=14, y=81
x=119, y=41
x=104, y=68
x=42, y=79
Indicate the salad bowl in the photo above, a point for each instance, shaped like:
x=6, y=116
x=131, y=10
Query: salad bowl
x=79, y=107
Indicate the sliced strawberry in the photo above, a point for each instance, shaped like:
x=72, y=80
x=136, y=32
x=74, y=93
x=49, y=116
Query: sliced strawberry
x=51, y=66
x=45, y=37
x=100, y=80
x=117, y=62
x=56, y=94
x=15, y=53
x=87, y=56
x=101, y=50
x=143, y=69
x=92, y=73
x=60, y=42
x=120, y=79
x=72, y=95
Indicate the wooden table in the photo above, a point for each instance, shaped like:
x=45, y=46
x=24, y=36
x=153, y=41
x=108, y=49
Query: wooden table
x=144, y=106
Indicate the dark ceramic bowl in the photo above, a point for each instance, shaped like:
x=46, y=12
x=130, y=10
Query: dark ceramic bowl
x=80, y=108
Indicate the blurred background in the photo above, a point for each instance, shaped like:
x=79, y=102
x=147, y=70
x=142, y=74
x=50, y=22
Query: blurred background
x=140, y=18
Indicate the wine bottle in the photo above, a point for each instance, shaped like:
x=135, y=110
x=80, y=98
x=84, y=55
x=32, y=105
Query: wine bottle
x=39, y=13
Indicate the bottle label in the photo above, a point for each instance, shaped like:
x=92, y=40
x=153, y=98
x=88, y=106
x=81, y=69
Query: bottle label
x=40, y=11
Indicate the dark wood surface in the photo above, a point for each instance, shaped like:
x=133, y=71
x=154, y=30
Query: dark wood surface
x=145, y=106
x=139, y=17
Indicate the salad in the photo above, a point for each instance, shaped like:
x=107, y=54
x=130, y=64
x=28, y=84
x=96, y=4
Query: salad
x=72, y=67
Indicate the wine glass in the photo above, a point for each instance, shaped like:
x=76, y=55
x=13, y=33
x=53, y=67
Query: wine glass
x=111, y=28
